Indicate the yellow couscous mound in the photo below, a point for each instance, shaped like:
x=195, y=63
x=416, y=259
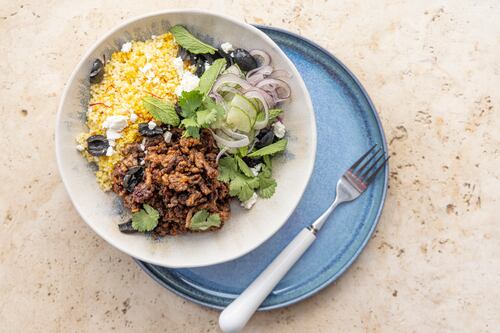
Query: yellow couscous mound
x=146, y=70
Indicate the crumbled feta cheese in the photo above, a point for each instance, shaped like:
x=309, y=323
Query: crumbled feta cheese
x=226, y=47
x=207, y=65
x=151, y=125
x=126, y=47
x=142, y=162
x=279, y=129
x=179, y=65
x=116, y=123
x=142, y=147
x=250, y=202
x=154, y=36
x=256, y=169
x=110, y=151
x=189, y=82
x=133, y=117
x=112, y=143
x=146, y=68
x=112, y=135
x=80, y=148
x=167, y=136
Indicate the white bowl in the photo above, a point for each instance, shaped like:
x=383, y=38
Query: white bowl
x=246, y=229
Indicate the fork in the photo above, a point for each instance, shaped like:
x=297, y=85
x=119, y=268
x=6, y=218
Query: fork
x=349, y=187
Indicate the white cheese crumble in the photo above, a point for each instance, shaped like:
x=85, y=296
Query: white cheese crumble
x=112, y=143
x=112, y=135
x=226, y=47
x=142, y=162
x=189, y=82
x=116, y=123
x=179, y=65
x=151, y=125
x=80, y=148
x=142, y=147
x=146, y=68
x=279, y=129
x=154, y=36
x=167, y=136
x=110, y=151
x=250, y=202
x=126, y=47
x=207, y=65
x=256, y=169
x=133, y=117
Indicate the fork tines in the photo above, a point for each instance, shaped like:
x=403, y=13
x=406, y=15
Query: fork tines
x=366, y=171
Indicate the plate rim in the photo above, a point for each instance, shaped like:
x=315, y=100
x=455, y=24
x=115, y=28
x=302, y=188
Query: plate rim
x=358, y=252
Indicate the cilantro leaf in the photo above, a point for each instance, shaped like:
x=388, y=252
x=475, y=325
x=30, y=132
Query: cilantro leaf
x=268, y=162
x=189, y=102
x=206, y=117
x=185, y=39
x=241, y=188
x=227, y=169
x=146, y=219
x=189, y=122
x=267, y=184
x=161, y=110
x=202, y=221
x=243, y=167
x=273, y=148
x=209, y=77
x=243, y=151
x=192, y=132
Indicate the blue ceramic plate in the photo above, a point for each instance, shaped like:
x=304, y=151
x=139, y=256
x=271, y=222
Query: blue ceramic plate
x=348, y=126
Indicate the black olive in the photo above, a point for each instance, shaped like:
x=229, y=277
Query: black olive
x=133, y=177
x=183, y=53
x=127, y=228
x=266, y=137
x=97, y=145
x=244, y=60
x=251, y=162
x=200, y=67
x=145, y=131
x=97, y=71
x=221, y=54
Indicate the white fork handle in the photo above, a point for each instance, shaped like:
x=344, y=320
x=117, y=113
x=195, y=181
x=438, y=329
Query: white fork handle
x=236, y=315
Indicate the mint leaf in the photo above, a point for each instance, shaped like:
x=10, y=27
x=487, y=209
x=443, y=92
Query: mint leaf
x=209, y=77
x=202, y=221
x=185, y=39
x=189, y=102
x=244, y=167
x=146, y=219
x=161, y=110
x=273, y=148
x=206, y=117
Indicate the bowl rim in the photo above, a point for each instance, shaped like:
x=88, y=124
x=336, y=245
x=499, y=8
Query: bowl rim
x=94, y=46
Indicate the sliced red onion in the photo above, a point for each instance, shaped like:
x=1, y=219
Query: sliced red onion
x=225, y=143
x=279, y=73
x=233, y=134
x=230, y=78
x=276, y=85
x=265, y=58
x=219, y=155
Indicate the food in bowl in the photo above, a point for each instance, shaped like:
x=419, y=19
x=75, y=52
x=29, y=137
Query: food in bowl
x=178, y=128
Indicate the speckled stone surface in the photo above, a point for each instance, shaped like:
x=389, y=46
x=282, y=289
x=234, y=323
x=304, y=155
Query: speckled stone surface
x=433, y=265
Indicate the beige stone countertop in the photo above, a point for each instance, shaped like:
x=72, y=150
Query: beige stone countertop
x=432, y=69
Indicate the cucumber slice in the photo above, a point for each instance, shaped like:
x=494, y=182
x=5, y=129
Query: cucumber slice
x=234, y=69
x=238, y=119
x=246, y=105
